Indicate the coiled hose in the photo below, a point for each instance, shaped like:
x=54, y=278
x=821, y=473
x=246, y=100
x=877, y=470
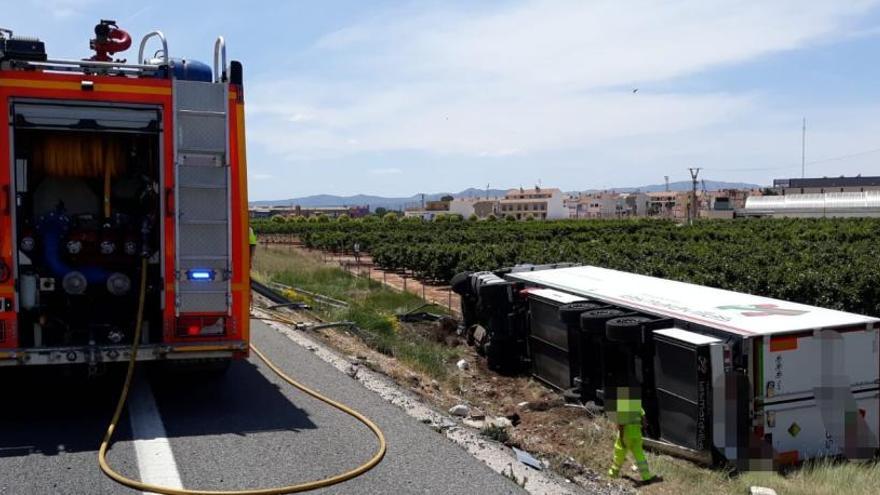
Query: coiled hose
x=300, y=487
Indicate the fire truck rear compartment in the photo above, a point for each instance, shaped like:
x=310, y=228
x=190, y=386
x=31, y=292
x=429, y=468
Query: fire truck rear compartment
x=87, y=204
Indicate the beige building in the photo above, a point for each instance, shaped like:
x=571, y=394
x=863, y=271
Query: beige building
x=667, y=204
x=609, y=205
x=539, y=203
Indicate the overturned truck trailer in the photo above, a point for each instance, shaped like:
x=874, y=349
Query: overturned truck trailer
x=724, y=376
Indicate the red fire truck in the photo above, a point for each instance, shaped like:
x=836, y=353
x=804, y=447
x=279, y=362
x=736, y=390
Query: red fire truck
x=106, y=163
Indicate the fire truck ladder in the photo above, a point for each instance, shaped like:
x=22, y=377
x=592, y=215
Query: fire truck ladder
x=202, y=193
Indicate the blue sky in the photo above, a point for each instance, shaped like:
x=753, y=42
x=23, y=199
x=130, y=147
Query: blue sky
x=396, y=98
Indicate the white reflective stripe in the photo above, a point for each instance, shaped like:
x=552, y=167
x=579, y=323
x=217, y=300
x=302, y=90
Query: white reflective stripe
x=155, y=459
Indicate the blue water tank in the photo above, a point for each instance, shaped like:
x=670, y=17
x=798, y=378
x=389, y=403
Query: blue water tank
x=190, y=70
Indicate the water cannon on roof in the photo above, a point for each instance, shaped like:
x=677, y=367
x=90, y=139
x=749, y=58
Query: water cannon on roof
x=109, y=39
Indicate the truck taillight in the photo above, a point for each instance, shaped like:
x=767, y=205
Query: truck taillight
x=201, y=326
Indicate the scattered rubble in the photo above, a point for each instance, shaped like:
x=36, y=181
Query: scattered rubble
x=546, y=403
x=460, y=410
x=462, y=364
x=527, y=459
x=500, y=422
x=413, y=379
x=514, y=418
x=479, y=424
x=761, y=490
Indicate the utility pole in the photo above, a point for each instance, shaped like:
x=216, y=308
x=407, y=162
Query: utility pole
x=692, y=211
x=666, y=179
x=423, y=201
x=804, y=149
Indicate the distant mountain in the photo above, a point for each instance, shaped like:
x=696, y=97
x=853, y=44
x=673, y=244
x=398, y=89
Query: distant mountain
x=403, y=202
x=376, y=201
x=686, y=185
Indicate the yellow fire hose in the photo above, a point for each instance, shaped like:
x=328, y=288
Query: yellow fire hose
x=300, y=487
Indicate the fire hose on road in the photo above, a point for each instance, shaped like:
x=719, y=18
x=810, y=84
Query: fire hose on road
x=300, y=487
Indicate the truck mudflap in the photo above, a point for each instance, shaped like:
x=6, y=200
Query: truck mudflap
x=103, y=354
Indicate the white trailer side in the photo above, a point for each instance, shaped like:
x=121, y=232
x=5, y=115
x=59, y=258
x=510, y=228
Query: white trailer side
x=813, y=373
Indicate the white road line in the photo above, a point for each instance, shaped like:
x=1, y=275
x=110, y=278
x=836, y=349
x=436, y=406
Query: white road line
x=154, y=456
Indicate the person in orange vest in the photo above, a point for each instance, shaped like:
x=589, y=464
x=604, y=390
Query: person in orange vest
x=625, y=409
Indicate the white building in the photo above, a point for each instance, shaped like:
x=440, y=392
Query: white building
x=481, y=207
x=833, y=204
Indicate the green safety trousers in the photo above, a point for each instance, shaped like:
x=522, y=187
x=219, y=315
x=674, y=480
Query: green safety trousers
x=630, y=440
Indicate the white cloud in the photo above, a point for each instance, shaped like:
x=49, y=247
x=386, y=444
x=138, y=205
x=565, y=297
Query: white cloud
x=536, y=89
x=534, y=77
x=63, y=9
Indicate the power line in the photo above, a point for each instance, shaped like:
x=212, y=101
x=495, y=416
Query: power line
x=791, y=167
x=844, y=157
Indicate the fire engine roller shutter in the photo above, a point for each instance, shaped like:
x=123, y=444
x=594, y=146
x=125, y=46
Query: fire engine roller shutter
x=85, y=117
x=202, y=179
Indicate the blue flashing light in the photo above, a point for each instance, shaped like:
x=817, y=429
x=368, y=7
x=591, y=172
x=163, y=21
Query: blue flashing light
x=200, y=274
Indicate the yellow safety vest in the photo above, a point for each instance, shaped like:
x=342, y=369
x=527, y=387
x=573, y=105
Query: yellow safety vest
x=626, y=411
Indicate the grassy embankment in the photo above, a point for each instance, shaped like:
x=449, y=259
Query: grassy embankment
x=372, y=307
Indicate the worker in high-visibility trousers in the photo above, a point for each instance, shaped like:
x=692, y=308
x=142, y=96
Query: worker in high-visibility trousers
x=252, y=240
x=625, y=409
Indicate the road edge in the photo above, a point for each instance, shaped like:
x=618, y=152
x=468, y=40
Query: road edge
x=496, y=456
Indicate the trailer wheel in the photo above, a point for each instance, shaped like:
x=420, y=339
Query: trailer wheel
x=496, y=359
x=460, y=283
x=625, y=329
x=593, y=321
x=501, y=358
x=570, y=314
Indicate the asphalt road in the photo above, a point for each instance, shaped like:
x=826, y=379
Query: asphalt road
x=247, y=429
